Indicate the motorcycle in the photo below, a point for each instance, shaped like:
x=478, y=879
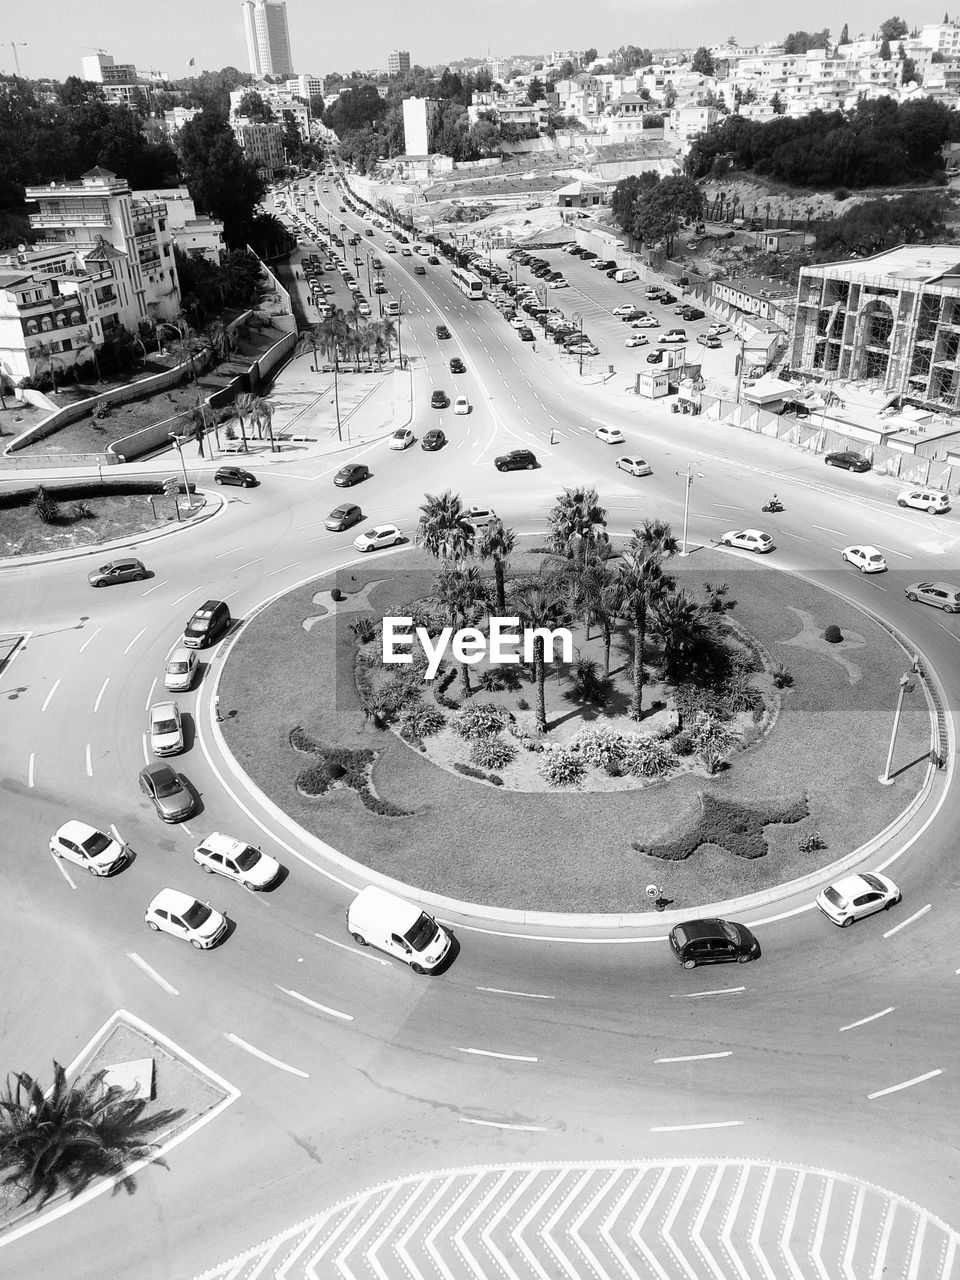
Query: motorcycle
x=772, y=506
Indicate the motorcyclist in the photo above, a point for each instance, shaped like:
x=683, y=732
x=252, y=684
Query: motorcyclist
x=774, y=502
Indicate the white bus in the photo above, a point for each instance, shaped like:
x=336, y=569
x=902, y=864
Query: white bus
x=467, y=282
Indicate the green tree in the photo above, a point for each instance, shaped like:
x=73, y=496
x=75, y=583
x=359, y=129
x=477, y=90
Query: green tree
x=255, y=108
x=539, y=607
x=801, y=41
x=535, y=90
x=220, y=180
x=665, y=208
x=683, y=625
x=442, y=531
x=893, y=29
x=844, y=35
x=703, y=63
x=496, y=542
x=461, y=597
x=654, y=537
x=885, y=52
x=577, y=522
x=639, y=583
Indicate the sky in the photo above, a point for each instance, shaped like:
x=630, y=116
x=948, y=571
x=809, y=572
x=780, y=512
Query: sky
x=330, y=35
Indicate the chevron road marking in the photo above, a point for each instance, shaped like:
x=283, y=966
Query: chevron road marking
x=560, y=1211
x=460, y=1234
x=726, y=1232
x=606, y=1227
x=916, y=1251
x=758, y=1224
x=528, y=1217
x=486, y=1235
x=667, y=1229
x=341, y=1259
x=636, y=1229
x=444, y=1218
x=577, y=1225
x=878, y=1266
x=696, y=1234
x=788, y=1226
x=415, y=1225
x=816, y=1251
x=848, y=1271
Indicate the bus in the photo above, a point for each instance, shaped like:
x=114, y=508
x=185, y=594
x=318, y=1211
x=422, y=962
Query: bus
x=467, y=282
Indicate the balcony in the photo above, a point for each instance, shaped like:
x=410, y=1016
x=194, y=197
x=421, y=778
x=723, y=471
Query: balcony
x=49, y=305
x=72, y=219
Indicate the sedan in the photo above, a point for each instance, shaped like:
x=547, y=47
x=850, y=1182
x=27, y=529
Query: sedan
x=747, y=540
x=518, y=322
x=181, y=668
x=433, y=440
x=439, y=400
x=525, y=334
x=627, y=313
x=857, y=896
x=942, y=595
x=224, y=856
x=609, y=435
x=381, y=535
x=402, y=438
x=235, y=475
x=457, y=365
x=168, y=792
x=89, y=848
x=186, y=917
x=116, y=571
x=166, y=731
x=867, y=559
x=637, y=340
x=558, y=284
x=646, y=322
x=461, y=405
x=698, y=942
x=352, y=473
x=343, y=517
x=847, y=459
x=442, y=332
x=709, y=340
x=635, y=466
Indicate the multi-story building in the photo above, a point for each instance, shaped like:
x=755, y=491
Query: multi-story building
x=284, y=105
x=101, y=69
x=559, y=56
x=419, y=116
x=173, y=121
x=306, y=88
x=686, y=123
x=262, y=144
x=194, y=235
x=892, y=320
x=268, y=38
x=397, y=62
x=814, y=80
x=942, y=38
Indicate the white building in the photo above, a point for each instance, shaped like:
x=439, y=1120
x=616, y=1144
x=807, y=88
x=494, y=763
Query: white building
x=262, y=144
x=173, y=121
x=268, y=38
x=195, y=235
x=100, y=68
x=686, y=123
x=306, y=88
x=284, y=105
x=942, y=38
x=397, y=62
x=419, y=115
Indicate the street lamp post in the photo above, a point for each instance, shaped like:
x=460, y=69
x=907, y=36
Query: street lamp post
x=907, y=684
x=578, y=321
x=399, y=344
x=178, y=443
x=740, y=362
x=380, y=295
x=688, y=481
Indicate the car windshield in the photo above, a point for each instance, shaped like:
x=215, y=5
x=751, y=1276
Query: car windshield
x=248, y=858
x=873, y=882
x=166, y=784
x=197, y=915
x=730, y=930
x=422, y=933
x=177, y=668
x=833, y=897
x=95, y=843
x=164, y=726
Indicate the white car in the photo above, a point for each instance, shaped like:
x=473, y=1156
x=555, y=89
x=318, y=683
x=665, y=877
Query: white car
x=609, y=435
x=222, y=855
x=717, y=329
x=747, y=540
x=857, y=896
x=636, y=466
x=932, y=500
x=186, y=917
x=181, y=668
x=519, y=322
x=381, y=535
x=479, y=517
x=867, y=559
x=558, y=284
x=461, y=405
x=166, y=731
x=646, y=322
x=624, y=311
x=88, y=848
x=638, y=340
x=402, y=438
x=673, y=335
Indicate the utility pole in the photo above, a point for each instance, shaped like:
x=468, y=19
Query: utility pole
x=688, y=479
x=15, y=45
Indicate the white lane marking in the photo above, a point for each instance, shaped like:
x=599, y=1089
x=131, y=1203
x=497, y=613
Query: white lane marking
x=354, y=951
x=684, y=1128
x=895, y=1088
x=103, y=690
x=116, y=835
x=827, y=529
x=246, y=564
x=233, y=550
x=146, y=705
x=909, y=920
x=155, y=587
x=274, y=572
x=184, y=827
x=527, y=995
x=89, y=762
x=258, y=1053
x=552, y=418
x=497, y=1124
x=862, y=1022
x=90, y=639
x=489, y=1053
x=892, y=551
x=30, y=764
x=186, y=595
x=152, y=973
x=296, y=995
x=134, y=641
x=62, y=868
x=698, y=1057
x=46, y=701
x=698, y=995
x=146, y=753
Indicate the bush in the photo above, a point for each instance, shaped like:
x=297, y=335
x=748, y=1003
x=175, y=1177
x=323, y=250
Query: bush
x=480, y=720
x=45, y=507
x=523, y=704
x=364, y=629
x=682, y=743
x=833, y=634
x=730, y=825
x=812, y=842
x=588, y=684
x=599, y=746
x=422, y=721
x=446, y=680
x=100, y=410
x=492, y=680
x=646, y=758
x=560, y=767
x=470, y=772
x=81, y=511
x=782, y=678
x=492, y=753
x=841, y=193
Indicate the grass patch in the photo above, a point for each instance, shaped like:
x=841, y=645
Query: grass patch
x=730, y=825
x=23, y=533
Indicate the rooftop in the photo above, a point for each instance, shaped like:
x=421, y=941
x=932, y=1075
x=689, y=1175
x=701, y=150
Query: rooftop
x=905, y=263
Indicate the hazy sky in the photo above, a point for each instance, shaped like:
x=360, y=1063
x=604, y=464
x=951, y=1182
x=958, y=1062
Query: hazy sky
x=337, y=36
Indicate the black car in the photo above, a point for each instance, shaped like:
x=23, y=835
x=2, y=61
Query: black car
x=667, y=299
x=352, y=473
x=457, y=365
x=442, y=331
x=343, y=517
x=693, y=313
x=516, y=460
x=587, y=256
x=655, y=357
x=433, y=260
x=433, y=440
x=712, y=942
x=439, y=400
x=848, y=459
x=236, y=475
x=794, y=408
x=525, y=334
x=207, y=624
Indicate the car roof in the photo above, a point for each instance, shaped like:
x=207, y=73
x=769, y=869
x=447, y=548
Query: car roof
x=850, y=886
x=697, y=930
x=217, y=842
x=939, y=586
x=173, y=900
x=183, y=654
x=75, y=830
x=158, y=769
x=163, y=708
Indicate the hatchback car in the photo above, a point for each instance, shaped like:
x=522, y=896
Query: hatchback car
x=208, y=623
x=698, y=942
x=479, y=517
x=167, y=791
x=222, y=855
x=516, y=460
x=89, y=848
x=235, y=475
x=419, y=269
x=931, y=500
x=525, y=334
x=442, y=332
x=637, y=340
x=627, y=313
x=461, y=405
x=380, y=535
x=847, y=459
x=942, y=595
x=352, y=473
x=693, y=313
x=186, y=917
x=116, y=571
x=709, y=340
x=636, y=466
x=457, y=365
x=402, y=438
x=433, y=440
x=439, y=400
x=717, y=328
x=343, y=517
x=747, y=540
x=857, y=896
x=609, y=435
x=180, y=670
x=867, y=559
x=166, y=731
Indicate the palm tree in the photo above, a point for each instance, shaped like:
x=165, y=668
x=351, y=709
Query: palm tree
x=66, y=1136
x=261, y=413
x=654, y=537
x=328, y=336
x=590, y=598
x=497, y=543
x=716, y=602
x=639, y=581
x=576, y=522
x=537, y=606
x=244, y=409
x=461, y=595
x=683, y=624
x=388, y=332
x=442, y=531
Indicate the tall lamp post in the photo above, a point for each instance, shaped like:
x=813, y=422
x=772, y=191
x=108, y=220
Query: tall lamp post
x=688, y=481
x=178, y=444
x=399, y=344
x=380, y=295
x=741, y=358
x=907, y=685
x=578, y=321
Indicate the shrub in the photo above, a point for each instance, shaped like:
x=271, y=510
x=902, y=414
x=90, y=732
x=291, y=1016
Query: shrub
x=480, y=720
x=492, y=753
x=523, y=704
x=364, y=629
x=81, y=511
x=730, y=825
x=470, y=772
x=710, y=734
x=492, y=680
x=422, y=721
x=446, y=680
x=588, y=684
x=682, y=743
x=101, y=410
x=45, y=507
x=646, y=758
x=782, y=678
x=841, y=193
x=599, y=746
x=812, y=842
x=560, y=767
x=833, y=634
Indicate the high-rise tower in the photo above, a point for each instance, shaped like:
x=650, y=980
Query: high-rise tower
x=268, y=40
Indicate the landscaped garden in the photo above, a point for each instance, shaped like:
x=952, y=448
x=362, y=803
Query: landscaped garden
x=707, y=735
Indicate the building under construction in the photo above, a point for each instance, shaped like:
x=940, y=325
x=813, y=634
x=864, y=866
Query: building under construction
x=891, y=321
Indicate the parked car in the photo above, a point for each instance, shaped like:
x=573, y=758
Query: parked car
x=667, y=299
x=88, y=848
x=457, y=365
x=636, y=340
x=709, y=340
x=222, y=855
x=747, y=540
x=516, y=460
x=942, y=595
x=693, y=313
x=343, y=517
x=479, y=517
x=235, y=475
x=697, y=942
x=186, y=917
x=166, y=730
x=636, y=466
x=381, y=535
x=167, y=791
x=673, y=336
x=525, y=334
x=717, y=328
x=646, y=322
x=847, y=459
x=627, y=312
x=402, y=438
x=866, y=558
x=180, y=670
x=433, y=440
x=794, y=408
x=116, y=571
x=207, y=624
x=461, y=405
x=609, y=435
x=352, y=473
x=857, y=896
x=931, y=500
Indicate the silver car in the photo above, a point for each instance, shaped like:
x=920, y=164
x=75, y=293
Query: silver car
x=116, y=571
x=168, y=791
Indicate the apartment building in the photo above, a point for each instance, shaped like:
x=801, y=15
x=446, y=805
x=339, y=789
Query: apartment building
x=419, y=117
x=195, y=235
x=689, y=122
x=397, y=62
x=284, y=104
x=942, y=38
x=100, y=68
x=306, y=88
x=262, y=144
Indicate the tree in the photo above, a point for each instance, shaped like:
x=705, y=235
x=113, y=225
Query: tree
x=665, y=208
x=703, y=63
x=220, y=180
x=589, y=55
x=66, y=1136
x=654, y=537
x=460, y=595
x=893, y=29
x=577, y=522
x=538, y=607
x=534, y=90
x=442, y=531
x=800, y=41
x=590, y=598
x=683, y=625
x=639, y=582
x=255, y=108
x=844, y=35
x=496, y=543
x=885, y=53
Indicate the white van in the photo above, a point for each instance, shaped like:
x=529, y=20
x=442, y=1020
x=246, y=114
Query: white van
x=625, y=275
x=379, y=919
x=392, y=308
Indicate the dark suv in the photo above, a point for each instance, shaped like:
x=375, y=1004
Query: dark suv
x=207, y=624
x=712, y=942
x=516, y=460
